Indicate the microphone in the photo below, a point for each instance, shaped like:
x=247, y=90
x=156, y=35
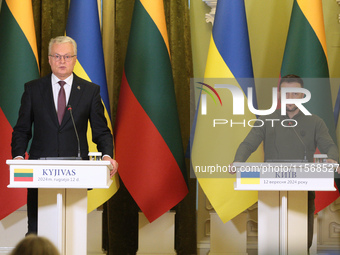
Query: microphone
x=69, y=108
x=305, y=157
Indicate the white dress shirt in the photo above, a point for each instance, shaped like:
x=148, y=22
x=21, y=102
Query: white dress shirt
x=56, y=87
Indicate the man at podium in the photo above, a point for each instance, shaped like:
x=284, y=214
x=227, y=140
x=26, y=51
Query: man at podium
x=56, y=109
x=296, y=141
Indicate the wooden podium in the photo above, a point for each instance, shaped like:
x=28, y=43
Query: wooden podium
x=62, y=196
x=283, y=201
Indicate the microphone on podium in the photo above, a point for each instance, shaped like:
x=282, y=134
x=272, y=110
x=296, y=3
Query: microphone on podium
x=299, y=137
x=69, y=108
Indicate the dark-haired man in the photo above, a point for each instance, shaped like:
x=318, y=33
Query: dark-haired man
x=298, y=142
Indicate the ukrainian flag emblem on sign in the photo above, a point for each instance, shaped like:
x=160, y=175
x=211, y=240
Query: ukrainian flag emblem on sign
x=250, y=177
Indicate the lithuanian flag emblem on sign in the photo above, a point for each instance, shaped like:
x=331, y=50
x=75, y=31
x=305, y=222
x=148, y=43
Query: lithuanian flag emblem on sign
x=23, y=175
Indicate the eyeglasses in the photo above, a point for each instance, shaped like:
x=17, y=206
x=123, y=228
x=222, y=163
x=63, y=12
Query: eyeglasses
x=67, y=58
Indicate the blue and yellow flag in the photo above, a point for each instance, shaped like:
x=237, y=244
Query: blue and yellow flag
x=214, y=147
x=84, y=27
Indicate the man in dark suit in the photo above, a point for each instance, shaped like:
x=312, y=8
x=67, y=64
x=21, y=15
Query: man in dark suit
x=297, y=142
x=43, y=111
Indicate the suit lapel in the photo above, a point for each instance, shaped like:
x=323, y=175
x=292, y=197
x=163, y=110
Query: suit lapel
x=47, y=97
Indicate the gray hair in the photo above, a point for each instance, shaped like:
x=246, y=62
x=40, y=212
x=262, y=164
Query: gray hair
x=62, y=39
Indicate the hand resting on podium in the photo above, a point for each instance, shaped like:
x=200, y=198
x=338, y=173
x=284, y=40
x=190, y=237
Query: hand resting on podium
x=114, y=165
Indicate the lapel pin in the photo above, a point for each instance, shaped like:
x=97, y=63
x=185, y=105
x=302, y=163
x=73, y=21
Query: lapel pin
x=78, y=87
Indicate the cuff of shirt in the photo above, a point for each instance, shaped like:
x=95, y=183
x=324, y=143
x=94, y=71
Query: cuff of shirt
x=106, y=155
x=21, y=157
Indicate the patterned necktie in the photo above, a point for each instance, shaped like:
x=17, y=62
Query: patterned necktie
x=61, y=101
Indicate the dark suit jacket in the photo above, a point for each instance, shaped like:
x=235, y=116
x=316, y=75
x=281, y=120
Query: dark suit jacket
x=38, y=114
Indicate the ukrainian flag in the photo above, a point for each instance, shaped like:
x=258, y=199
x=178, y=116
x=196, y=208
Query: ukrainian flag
x=84, y=27
x=250, y=178
x=228, y=57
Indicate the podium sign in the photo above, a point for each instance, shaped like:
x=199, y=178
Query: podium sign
x=59, y=174
x=283, y=201
x=62, y=196
x=285, y=176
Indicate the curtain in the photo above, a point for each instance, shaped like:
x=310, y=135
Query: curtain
x=178, y=23
x=50, y=21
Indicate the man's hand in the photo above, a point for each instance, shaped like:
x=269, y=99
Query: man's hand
x=231, y=169
x=114, y=165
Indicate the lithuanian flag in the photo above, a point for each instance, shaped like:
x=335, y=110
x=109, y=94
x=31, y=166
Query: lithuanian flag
x=23, y=175
x=306, y=56
x=228, y=57
x=19, y=64
x=149, y=147
x=84, y=27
